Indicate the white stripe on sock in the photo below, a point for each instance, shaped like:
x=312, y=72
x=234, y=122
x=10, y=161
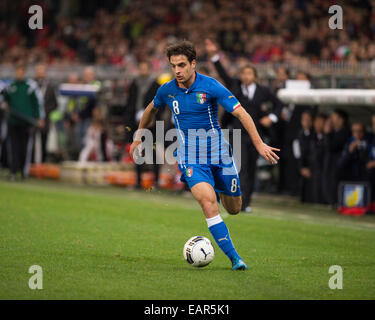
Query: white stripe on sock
x=214, y=220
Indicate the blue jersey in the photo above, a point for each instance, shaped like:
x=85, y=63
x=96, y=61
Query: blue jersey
x=195, y=114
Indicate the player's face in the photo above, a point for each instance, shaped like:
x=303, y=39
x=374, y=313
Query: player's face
x=183, y=69
x=247, y=76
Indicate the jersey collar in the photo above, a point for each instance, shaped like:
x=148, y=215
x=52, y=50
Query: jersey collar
x=192, y=87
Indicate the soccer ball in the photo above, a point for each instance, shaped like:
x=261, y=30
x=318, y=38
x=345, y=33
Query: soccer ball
x=198, y=251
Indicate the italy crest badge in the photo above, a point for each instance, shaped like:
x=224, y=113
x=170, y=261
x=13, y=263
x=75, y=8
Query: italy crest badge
x=189, y=172
x=201, y=98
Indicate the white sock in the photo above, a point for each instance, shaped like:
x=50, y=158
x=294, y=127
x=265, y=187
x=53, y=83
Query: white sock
x=214, y=220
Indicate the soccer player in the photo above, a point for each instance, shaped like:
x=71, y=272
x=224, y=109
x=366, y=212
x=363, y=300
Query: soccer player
x=193, y=99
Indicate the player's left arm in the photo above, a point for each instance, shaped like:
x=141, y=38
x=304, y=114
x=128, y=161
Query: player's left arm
x=264, y=150
x=230, y=103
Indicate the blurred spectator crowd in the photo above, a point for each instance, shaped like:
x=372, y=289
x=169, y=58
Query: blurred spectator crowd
x=329, y=150
x=120, y=33
x=318, y=150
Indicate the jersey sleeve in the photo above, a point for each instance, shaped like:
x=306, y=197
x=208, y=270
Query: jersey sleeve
x=224, y=97
x=159, y=100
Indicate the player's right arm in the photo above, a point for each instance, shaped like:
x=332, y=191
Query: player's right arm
x=147, y=119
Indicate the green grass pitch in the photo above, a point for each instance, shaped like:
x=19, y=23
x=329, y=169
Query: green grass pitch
x=109, y=243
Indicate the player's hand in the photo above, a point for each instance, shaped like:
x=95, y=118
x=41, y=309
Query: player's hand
x=268, y=153
x=211, y=48
x=370, y=164
x=266, y=121
x=133, y=146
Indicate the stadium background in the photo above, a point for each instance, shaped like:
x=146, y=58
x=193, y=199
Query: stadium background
x=98, y=242
x=283, y=39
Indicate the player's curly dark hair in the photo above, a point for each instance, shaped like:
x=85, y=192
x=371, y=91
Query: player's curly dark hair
x=183, y=47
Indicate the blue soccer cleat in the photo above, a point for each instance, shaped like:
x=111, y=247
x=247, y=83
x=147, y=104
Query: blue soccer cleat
x=239, y=264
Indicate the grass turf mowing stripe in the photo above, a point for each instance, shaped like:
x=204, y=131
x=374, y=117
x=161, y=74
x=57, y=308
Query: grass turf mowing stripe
x=112, y=244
